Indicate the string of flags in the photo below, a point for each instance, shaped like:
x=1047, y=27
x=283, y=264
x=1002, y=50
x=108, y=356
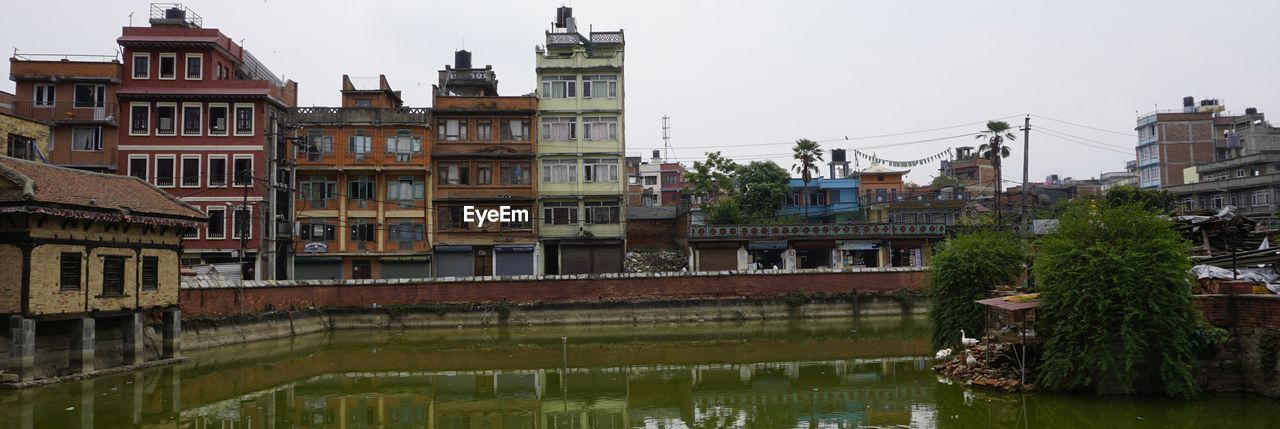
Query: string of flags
x=902, y=164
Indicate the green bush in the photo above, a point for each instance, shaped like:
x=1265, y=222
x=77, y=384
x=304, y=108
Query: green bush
x=1116, y=303
x=967, y=268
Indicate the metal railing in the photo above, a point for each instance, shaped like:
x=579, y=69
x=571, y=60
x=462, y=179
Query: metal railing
x=332, y=115
x=66, y=111
x=176, y=12
x=27, y=56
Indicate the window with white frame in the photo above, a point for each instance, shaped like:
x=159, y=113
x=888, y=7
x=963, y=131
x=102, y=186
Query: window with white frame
x=600, y=170
x=515, y=130
x=218, y=119
x=44, y=93
x=1261, y=197
x=243, y=170
x=317, y=145
x=316, y=231
x=141, y=65
x=1188, y=203
x=559, y=171
x=165, y=171
x=89, y=95
x=217, y=225
x=559, y=129
x=601, y=212
x=600, y=86
x=452, y=130
x=191, y=171
x=359, y=144
x=138, y=167
x=1217, y=201
x=86, y=138
x=244, y=119
x=217, y=171
x=405, y=190
x=404, y=145
x=600, y=128
x=168, y=66
x=1239, y=173
x=166, y=119
x=192, y=118
x=559, y=86
x=560, y=212
x=139, y=119
x=195, y=66
x=192, y=233
x=242, y=222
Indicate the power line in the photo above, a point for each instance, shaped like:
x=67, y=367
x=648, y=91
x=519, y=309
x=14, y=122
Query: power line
x=846, y=138
x=1127, y=134
x=1086, y=139
x=1068, y=139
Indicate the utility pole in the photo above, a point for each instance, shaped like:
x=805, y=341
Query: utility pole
x=1026, y=147
x=666, y=137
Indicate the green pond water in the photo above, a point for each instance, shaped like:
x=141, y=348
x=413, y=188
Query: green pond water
x=777, y=374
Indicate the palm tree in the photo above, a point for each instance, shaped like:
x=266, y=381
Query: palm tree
x=995, y=150
x=807, y=154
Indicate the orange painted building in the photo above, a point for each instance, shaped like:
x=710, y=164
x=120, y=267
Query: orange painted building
x=76, y=95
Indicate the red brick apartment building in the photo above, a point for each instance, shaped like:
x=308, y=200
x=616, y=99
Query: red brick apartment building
x=362, y=178
x=484, y=155
x=201, y=120
x=76, y=96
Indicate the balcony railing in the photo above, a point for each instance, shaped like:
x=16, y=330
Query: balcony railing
x=338, y=115
x=67, y=111
x=175, y=12
x=607, y=37
x=819, y=231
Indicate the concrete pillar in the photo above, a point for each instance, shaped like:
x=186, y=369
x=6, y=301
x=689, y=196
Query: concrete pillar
x=82, y=335
x=172, y=334
x=134, y=339
x=22, y=347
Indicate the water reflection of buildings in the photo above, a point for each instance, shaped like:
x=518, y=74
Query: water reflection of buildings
x=846, y=393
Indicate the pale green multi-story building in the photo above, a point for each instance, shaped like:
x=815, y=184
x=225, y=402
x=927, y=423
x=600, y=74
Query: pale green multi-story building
x=581, y=149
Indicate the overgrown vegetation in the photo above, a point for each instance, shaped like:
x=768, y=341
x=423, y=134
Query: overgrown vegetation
x=1116, y=303
x=967, y=268
x=1269, y=351
x=796, y=298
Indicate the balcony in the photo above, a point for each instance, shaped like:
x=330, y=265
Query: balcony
x=358, y=115
x=607, y=38
x=68, y=112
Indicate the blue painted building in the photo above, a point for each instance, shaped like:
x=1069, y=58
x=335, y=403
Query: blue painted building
x=828, y=200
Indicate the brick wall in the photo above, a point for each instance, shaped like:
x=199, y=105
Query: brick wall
x=10, y=278
x=1240, y=311
x=25, y=128
x=257, y=296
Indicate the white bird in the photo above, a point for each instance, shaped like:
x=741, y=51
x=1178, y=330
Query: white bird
x=966, y=341
x=943, y=354
x=969, y=359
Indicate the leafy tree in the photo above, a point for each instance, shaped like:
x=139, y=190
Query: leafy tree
x=995, y=150
x=722, y=211
x=807, y=154
x=1116, y=302
x=761, y=188
x=1157, y=200
x=943, y=181
x=711, y=178
x=967, y=268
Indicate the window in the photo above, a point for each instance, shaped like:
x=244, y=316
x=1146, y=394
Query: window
x=484, y=130
x=191, y=118
x=516, y=130
x=168, y=66
x=405, y=190
x=317, y=145
x=451, y=218
x=560, y=213
x=191, y=171
x=1187, y=203
x=600, y=86
x=191, y=233
x=518, y=222
x=243, y=170
x=139, y=119
x=217, y=171
x=651, y=180
x=670, y=179
x=150, y=272
x=242, y=222
x=44, y=94
x=113, y=275
x=69, y=272
x=165, y=171
x=559, y=171
x=1239, y=173
x=559, y=86
x=559, y=129
x=90, y=95
x=452, y=130
x=602, y=212
x=1217, y=201
x=138, y=166
x=405, y=232
x=362, y=230
x=317, y=231
x=195, y=66
x=359, y=144
x=484, y=173
x=217, y=119
x=244, y=119
x=364, y=102
x=515, y=173
x=600, y=128
x=217, y=227
x=361, y=190
x=318, y=190
x=166, y=119
x=142, y=66
x=600, y=170
x=86, y=138
x=1261, y=197
x=454, y=173
x=404, y=145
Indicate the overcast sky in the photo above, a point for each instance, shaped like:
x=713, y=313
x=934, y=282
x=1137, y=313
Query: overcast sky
x=749, y=77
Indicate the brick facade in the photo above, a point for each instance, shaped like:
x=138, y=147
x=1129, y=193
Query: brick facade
x=24, y=128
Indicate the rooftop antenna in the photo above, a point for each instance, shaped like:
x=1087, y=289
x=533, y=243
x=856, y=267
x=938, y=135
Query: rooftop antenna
x=666, y=137
x=130, y=19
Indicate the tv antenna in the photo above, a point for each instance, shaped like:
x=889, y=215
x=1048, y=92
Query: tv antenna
x=666, y=137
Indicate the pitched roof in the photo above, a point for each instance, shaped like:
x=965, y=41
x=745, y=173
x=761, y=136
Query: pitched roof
x=42, y=188
x=880, y=168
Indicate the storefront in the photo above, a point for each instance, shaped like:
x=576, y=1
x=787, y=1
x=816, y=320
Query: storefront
x=860, y=254
x=766, y=255
x=513, y=260
x=405, y=267
x=591, y=257
x=717, y=256
x=454, y=261
x=317, y=268
x=909, y=253
x=813, y=253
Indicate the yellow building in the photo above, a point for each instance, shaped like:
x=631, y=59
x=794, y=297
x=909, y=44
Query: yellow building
x=78, y=246
x=23, y=138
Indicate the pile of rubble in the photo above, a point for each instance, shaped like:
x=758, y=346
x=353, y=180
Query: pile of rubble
x=995, y=368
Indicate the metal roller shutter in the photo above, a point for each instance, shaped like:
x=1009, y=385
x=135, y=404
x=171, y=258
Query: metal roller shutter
x=317, y=270
x=405, y=270
x=514, y=260
x=454, y=261
x=608, y=259
x=717, y=259
x=575, y=259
